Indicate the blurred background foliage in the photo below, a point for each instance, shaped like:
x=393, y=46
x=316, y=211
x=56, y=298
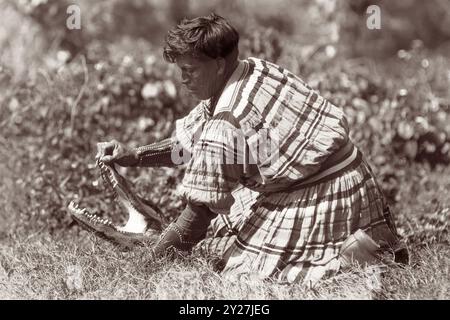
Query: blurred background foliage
x=62, y=90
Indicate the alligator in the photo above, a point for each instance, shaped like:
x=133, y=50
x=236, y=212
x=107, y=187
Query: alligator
x=145, y=220
x=146, y=223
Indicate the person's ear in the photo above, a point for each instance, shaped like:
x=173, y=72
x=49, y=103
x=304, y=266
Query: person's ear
x=221, y=66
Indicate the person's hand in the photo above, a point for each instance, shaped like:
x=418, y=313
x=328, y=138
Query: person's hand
x=116, y=152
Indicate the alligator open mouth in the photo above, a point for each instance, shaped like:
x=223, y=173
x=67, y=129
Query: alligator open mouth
x=145, y=221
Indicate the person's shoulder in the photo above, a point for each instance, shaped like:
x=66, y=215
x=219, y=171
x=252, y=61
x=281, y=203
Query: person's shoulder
x=227, y=117
x=265, y=69
x=261, y=64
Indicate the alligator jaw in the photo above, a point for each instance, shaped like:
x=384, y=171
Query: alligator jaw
x=106, y=229
x=85, y=216
x=140, y=214
x=144, y=220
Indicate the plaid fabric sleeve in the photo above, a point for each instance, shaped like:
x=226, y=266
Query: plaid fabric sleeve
x=216, y=166
x=189, y=128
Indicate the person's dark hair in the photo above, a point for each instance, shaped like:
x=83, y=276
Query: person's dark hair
x=210, y=36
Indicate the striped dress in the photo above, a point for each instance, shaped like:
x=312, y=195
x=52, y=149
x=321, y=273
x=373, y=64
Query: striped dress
x=273, y=158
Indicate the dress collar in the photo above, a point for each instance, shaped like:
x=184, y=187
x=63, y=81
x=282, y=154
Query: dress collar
x=229, y=92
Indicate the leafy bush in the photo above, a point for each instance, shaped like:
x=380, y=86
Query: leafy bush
x=401, y=23
x=396, y=117
x=58, y=120
x=105, y=21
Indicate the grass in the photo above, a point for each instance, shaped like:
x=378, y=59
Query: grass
x=76, y=265
x=48, y=268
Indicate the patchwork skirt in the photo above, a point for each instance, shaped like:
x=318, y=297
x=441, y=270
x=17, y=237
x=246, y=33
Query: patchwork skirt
x=296, y=235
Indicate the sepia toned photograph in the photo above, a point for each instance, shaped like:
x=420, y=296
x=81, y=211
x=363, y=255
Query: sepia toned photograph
x=250, y=151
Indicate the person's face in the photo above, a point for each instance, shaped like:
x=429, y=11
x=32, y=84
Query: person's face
x=199, y=76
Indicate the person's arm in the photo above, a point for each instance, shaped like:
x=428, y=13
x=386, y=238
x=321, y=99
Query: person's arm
x=177, y=149
x=168, y=152
x=164, y=153
x=216, y=168
x=158, y=154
